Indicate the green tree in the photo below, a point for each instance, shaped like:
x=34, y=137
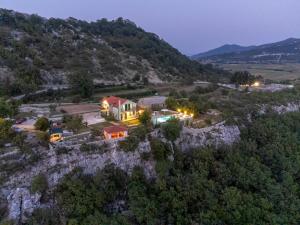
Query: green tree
x=82, y=83
x=145, y=117
x=19, y=139
x=8, y=109
x=6, y=133
x=42, y=124
x=243, y=78
x=74, y=123
x=39, y=184
x=171, y=129
x=159, y=149
x=43, y=137
x=44, y=216
x=172, y=103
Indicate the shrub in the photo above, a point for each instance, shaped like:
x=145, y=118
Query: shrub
x=146, y=156
x=140, y=132
x=6, y=132
x=171, y=130
x=129, y=144
x=90, y=148
x=172, y=103
x=158, y=149
x=39, y=184
x=43, y=137
x=3, y=207
x=45, y=216
x=96, y=132
x=42, y=124
x=62, y=150
x=145, y=117
x=19, y=140
x=73, y=123
x=225, y=92
x=208, y=121
x=7, y=222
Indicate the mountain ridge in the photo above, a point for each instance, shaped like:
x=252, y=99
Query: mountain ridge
x=286, y=51
x=227, y=48
x=37, y=51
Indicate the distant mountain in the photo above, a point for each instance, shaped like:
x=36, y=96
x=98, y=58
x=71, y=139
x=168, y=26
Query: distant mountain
x=222, y=50
x=36, y=51
x=287, y=51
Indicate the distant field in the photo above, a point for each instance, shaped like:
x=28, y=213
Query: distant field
x=268, y=71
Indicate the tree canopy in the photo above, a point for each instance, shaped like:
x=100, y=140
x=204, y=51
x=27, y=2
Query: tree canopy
x=253, y=182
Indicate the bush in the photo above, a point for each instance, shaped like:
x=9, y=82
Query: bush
x=208, y=121
x=43, y=137
x=6, y=133
x=42, y=124
x=145, y=117
x=145, y=156
x=171, y=130
x=132, y=141
x=39, y=184
x=90, y=148
x=172, y=103
x=225, y=92
x=140, y=132
x=3, y=207
x=7, y=222
x=82, y=83
x=44, y=216
x=19, y=140
x=73, y=123
x=158, y=149
x=62, y=150
x=130, y=144
x=96, y=132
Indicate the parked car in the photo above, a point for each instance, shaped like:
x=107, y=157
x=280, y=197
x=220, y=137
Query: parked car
x=21, y=120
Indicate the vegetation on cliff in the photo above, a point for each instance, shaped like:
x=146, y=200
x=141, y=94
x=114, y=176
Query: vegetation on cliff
x=253, y=182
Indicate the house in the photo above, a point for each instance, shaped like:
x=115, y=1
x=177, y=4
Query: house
x=152, y=103
x=115, y=132
x=56, y=134
x=119, y=108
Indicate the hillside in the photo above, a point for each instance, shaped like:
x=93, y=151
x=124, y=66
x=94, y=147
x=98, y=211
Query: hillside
x=222, y=50
x=35, y=51
x=287, y=51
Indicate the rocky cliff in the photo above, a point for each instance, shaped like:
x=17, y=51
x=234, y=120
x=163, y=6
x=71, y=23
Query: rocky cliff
x=21, y=202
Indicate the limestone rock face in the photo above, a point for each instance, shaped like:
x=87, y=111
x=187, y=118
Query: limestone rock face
x=290, y=107
x=21, y=203
x=215, y=136
x=16, y=189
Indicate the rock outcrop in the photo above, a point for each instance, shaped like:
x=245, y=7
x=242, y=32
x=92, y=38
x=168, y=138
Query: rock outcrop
x=214, y=136
x=290, y=107
x=55, y=165
x=21, y=203
x=281, y=109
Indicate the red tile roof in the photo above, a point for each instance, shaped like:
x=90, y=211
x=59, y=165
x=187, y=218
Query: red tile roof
x=115, y=101
x=115, y=129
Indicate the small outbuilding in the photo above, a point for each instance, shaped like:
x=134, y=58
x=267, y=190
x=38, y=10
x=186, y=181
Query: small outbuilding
x=115, y=132
x=152, y=103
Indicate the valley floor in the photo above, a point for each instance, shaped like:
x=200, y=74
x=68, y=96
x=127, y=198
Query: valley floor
x=268, y=71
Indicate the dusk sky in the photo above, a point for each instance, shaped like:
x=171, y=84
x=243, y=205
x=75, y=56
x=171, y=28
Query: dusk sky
x=192, y=26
